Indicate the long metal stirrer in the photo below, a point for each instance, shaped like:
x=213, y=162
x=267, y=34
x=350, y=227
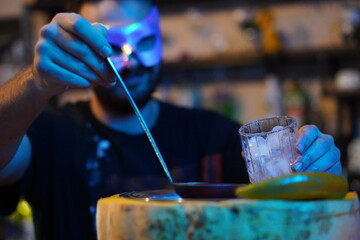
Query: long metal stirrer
x=141, y=119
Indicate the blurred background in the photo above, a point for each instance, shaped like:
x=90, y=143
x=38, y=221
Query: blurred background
x=247, y=59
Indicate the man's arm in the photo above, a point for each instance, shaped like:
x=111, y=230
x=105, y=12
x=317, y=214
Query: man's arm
x=20, y=103
x=70, y=53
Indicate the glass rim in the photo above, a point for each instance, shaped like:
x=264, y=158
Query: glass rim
x=243, y=133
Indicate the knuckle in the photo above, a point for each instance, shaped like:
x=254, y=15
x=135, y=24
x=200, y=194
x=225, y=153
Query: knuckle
x=41, y=47
x=308, y=159
x=78, y=23
x=92, y=77
x=337, y=153
x=324, y=142
x=69, y=20
x=80, y=82
x=59, y=16
x=80, y=66
x=65, y=17
x=82, y=51
x=74, y=16
x=103, y=68
x=336, y=169
x=48, y=31
x=83, y=70
x=311, y=129
x=329, y=138
x=42, y=65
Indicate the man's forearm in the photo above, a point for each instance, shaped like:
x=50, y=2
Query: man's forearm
x=20, y=103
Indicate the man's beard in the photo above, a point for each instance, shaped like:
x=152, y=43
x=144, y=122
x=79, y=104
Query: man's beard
x=119, y=104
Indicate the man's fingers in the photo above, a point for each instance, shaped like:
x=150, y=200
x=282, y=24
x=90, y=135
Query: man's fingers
x=102, y=28
x=76, y=66
x=324, y=162
x=84, y=54
x=82, y=28
x=57, y=72
x=335, y=169
x=317, y=149
x=307, y=135
x=69, y=43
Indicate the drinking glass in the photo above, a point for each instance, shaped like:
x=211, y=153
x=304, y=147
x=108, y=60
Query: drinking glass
x=269, y=147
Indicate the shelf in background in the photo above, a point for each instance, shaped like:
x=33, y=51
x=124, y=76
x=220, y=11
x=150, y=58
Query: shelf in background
x=248, y=59
x=344, y=94
x=176, y=5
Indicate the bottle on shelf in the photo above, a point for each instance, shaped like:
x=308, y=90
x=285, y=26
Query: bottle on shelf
x=273, y=95
x=296, y=102
x=270, y=40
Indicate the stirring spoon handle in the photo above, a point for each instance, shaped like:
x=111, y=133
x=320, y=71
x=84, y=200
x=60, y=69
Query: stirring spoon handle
x=141, y=119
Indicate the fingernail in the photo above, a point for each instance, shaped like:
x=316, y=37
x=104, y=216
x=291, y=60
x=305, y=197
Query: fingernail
x=298, y=166
x=108, y=84
x=106, y=51
x=101, y=24
x=111, y=84
x=300, y=148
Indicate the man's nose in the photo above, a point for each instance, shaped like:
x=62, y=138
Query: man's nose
x=133, y=61
x=130, y=55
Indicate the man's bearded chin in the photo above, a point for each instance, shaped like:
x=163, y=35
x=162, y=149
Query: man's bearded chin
x=118, y=105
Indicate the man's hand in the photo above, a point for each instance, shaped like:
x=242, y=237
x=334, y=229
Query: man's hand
x=318, y=152
x=71, y=53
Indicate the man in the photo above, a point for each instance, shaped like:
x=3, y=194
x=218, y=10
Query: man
x=63, y=160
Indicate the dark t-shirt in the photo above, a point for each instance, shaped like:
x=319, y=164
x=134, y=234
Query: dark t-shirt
x=76, y=160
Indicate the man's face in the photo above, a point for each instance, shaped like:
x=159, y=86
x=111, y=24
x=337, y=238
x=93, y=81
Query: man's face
x=135, y=37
